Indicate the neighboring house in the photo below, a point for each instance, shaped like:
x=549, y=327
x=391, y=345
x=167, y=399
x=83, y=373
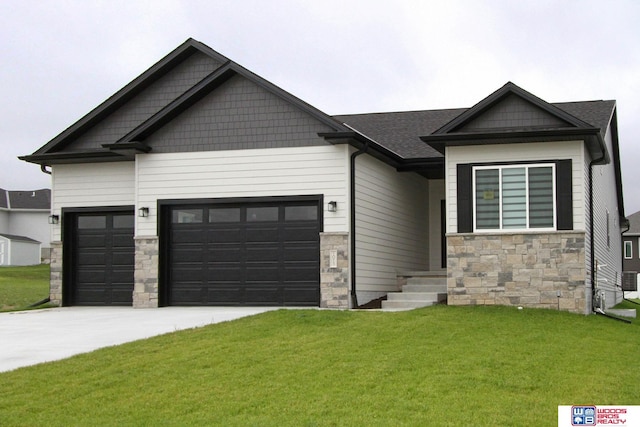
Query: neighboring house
x=201, y=183
x=26, y=233
x=631, y=254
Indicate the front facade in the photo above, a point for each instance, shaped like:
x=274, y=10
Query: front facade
x=200, y=183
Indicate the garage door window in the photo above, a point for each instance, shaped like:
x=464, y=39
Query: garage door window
x=222, y=215
x=123, y=221
x=301, y=213
x=92, y=222
x=261, y=214
x=187, y=216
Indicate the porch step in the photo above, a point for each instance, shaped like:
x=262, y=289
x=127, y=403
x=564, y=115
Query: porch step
x=422, y=289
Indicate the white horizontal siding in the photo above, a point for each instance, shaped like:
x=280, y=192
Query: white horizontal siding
x=245, y=173
x=392, y=219
x=528, y=152
x=605, y=198
x=91, y=185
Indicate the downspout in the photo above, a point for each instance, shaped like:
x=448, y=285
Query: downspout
x=591, y=230
x=363, y=150
x=43, y=168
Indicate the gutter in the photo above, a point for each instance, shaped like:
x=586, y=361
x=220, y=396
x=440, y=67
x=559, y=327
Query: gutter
x=352, y=195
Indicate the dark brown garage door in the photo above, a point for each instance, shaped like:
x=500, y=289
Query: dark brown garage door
x=245, y=254
x=103, y=256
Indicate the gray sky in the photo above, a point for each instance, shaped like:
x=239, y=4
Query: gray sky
x=62, y=58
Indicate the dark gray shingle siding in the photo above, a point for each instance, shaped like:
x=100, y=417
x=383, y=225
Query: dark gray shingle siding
x=238, y=115
x=150, y=101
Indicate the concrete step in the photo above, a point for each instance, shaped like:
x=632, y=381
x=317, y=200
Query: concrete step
x=416, y=296
x=427, y=280
x=405, y=305
x=425, y=288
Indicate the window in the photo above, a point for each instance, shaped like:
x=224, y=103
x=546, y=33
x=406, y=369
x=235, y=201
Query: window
x=514, y=197
x=628, y=249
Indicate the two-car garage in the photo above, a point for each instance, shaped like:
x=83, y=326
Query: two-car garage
x=232, y=252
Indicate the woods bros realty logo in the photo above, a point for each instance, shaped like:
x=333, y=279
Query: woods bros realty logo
x=591, y=415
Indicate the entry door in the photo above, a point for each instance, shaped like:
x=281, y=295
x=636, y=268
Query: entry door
x=103, y=258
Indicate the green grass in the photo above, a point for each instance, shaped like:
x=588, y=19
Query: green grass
x=23, y=286
x=457, y=366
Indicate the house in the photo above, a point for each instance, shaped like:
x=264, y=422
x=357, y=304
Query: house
x=631, y=254
x=201, y=183
x=24, y=229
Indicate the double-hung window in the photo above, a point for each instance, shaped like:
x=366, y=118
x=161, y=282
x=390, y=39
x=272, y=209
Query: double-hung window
x=514, y=197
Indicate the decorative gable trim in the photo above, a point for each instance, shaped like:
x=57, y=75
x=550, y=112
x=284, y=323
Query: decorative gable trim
x=453, y=133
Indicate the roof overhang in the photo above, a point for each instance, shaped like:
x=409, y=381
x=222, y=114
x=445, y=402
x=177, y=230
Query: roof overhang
x=591, y=137
x=432, y=168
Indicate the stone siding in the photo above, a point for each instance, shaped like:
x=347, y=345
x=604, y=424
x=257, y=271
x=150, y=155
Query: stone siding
x=145, y=287
x=542, y=270
x=334, y=282
x=55, y=276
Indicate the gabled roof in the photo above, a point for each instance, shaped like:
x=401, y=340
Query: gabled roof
x=532, y=119
x=634, y=225
x=19, y=238
x=29, y=200
x=131, y=143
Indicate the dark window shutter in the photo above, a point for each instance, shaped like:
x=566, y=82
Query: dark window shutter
x=465, y=201
x=564, y=195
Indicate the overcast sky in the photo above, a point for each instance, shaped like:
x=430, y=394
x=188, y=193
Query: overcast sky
x=62, y=58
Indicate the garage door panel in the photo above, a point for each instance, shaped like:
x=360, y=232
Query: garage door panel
x=224, y=272
x=262, y=272
x=188, y=235
x=227, y=253
x=303, y=295
x=262, y=253
x=88, y=277
x=122, y=241
x=224, y=295
x=301, y=252
x=88, y=259
x=307, y=273
x=246, y=256
x=188, y=253
x=221, y=235
x=300, y=234
x=262, y=234
x=89, y=241
x=263, y=295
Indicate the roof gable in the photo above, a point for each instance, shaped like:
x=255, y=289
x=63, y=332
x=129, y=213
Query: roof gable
x=511, y=108
x=114, y=130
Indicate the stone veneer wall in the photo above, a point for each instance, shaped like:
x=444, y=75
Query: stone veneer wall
x=526, y=269
x=334, y=282
x=55, y=275
x=145, y=281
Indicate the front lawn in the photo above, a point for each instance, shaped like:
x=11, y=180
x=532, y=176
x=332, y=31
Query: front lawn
x=23, y=286
x=458, y=366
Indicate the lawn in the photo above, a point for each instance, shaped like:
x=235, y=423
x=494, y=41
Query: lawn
x=438, y=366
x=23, y=286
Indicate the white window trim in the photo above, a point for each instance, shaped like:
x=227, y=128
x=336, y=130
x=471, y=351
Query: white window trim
x=512, y=166
x=628, y=243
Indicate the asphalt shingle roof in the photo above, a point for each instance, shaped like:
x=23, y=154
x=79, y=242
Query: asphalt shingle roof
x=400, y=132
x=30, y=199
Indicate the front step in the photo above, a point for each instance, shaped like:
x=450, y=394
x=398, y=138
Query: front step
x=422, y=289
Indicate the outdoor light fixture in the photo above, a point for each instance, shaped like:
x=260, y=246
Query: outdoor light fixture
x=143, y=212
x=333, y=206
x=54, y=219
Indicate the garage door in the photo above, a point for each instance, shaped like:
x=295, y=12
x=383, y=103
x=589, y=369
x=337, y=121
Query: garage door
x=103, y=259
x=245, y=254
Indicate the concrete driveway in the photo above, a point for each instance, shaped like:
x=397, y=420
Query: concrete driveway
x=31, y=337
